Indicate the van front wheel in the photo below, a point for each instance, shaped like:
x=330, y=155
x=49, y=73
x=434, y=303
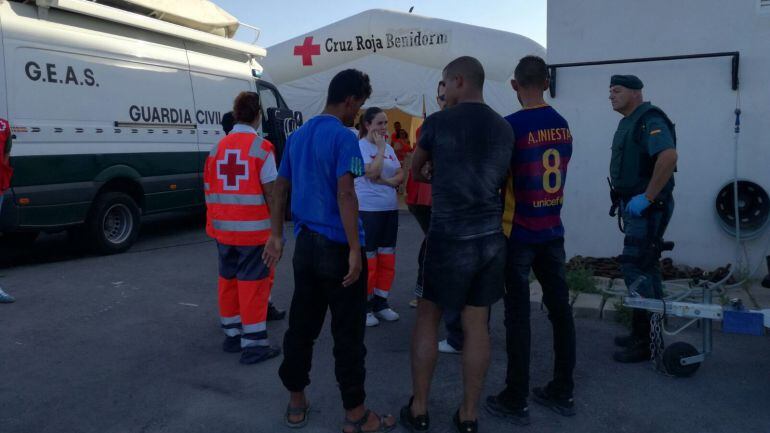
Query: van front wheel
x=114, y=223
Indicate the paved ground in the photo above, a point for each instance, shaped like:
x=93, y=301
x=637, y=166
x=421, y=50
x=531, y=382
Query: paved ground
x=130, y=343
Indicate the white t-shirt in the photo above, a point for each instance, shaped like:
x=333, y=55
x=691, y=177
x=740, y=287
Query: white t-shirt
x=375, y=197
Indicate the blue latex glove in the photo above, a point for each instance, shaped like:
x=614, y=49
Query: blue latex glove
x=637, y=205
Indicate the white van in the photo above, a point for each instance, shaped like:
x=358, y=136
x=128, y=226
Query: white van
x=113, y=114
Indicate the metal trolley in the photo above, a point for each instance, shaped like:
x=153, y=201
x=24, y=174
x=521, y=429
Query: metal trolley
x=682, y=359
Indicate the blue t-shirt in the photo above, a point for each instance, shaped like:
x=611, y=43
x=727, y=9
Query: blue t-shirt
x=316, y=156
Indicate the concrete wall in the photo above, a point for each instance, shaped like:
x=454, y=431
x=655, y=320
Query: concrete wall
x=695, y=93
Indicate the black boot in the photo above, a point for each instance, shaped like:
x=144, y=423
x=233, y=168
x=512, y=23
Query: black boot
x=504, y=406
x=638, y=348
x=274, y=314
x=564, y=405
x=232, y=344
x=640, y=326
x=638, y=352
x=255, y=355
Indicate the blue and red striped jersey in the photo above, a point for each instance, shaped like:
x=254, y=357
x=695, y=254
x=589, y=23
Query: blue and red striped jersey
x=539, y=171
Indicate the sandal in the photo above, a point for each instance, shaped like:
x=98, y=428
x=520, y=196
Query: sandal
x=465, y=426
x=304, y=411
x=358, y=426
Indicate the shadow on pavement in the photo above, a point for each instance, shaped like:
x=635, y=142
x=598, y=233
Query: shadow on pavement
x=157, y=231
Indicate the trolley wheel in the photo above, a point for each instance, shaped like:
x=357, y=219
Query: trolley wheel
x=673, y=355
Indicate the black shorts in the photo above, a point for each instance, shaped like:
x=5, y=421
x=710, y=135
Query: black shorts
x=380, y=229
x=464, y=272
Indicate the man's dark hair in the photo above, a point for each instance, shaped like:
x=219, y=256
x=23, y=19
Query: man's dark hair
x=228, y=122
x=350, y=82
x=469, y=68
x=531, y=71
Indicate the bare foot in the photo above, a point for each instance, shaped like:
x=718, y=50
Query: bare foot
x=297, y=401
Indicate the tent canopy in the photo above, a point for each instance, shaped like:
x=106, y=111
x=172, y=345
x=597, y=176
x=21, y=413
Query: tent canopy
x=403, y=54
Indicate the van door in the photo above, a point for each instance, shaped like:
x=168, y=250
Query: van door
x=216, y=81
x=278, y=121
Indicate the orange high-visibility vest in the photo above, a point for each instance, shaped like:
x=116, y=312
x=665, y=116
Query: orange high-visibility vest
x=5, y=166
x=236, y=210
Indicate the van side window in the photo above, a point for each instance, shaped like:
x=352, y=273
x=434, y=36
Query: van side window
x=268, y=99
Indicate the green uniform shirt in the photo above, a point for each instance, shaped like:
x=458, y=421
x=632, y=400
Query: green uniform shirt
x=634, y=149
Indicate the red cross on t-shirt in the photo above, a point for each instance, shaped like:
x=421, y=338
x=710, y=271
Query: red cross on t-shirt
x=307, y=50
x=231, y=170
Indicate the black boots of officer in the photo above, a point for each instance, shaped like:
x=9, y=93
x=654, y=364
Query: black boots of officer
x=766, y=281
x=636, y=347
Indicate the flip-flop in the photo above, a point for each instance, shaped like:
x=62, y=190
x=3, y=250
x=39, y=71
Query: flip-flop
x=358, y=426
x=304, y=411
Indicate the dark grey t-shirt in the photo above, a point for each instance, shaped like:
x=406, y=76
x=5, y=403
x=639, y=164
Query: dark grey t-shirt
x=471, y=148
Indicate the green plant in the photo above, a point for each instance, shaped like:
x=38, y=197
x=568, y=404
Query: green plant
x=622, y=313
x=581, y=280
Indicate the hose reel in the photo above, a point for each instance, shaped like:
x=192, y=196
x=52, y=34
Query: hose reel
x=753, y=209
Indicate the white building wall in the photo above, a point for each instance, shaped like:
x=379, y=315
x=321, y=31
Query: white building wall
x=696, y=94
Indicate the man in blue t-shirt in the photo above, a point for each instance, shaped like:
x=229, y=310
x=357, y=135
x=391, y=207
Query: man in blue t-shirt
x=319, y=163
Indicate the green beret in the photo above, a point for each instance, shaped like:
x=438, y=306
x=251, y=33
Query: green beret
x=628, y=81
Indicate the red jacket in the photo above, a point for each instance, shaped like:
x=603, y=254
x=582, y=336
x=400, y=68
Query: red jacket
x=5, y=165
x=418, y=193
x=236, y=209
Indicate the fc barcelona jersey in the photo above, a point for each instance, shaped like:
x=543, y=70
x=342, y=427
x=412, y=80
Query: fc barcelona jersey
x=535, y=193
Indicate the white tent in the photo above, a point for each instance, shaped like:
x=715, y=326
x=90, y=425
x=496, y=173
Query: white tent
x=403, y=54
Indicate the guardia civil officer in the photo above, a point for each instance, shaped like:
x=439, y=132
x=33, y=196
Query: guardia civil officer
x=642, y=175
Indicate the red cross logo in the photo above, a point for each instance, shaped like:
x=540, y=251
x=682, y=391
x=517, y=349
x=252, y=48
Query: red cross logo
x=307, y=50
x=232, y=169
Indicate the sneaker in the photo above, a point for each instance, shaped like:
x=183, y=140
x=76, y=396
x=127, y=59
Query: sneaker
x=254, y=355
x=413, y=303
x=232, y=344
x=445, y=347
x=560, y=405
x=502, y=408
x=371, y=320
x=6, y=298
x=387, y=314
x=274, y=314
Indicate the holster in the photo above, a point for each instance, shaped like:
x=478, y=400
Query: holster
x=653, y=245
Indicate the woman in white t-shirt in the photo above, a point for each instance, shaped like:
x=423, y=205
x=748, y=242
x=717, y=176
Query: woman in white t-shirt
x=378, y=206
